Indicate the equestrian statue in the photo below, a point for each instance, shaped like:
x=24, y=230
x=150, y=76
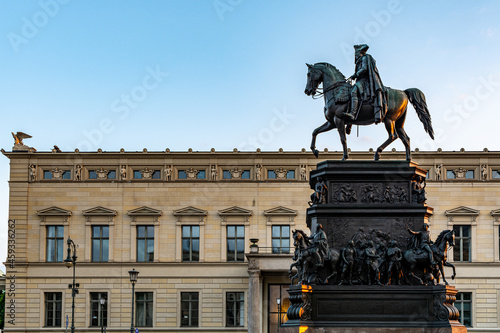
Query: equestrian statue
x=366, y=102
x=424, y=254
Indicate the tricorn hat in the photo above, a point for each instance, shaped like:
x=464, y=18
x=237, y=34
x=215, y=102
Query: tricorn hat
x=361, y=48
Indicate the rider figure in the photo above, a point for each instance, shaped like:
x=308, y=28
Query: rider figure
x=319, y=245
x=422, y=241
x=368, y=87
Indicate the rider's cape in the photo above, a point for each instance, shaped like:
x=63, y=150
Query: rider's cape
x=414, y=243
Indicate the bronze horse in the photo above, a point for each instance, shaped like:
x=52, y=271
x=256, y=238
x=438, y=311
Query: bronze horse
x=333, y=81
x=305, y=261
x=411, y=259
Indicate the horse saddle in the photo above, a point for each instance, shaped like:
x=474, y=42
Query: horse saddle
x=420, y=252
x=342, y=93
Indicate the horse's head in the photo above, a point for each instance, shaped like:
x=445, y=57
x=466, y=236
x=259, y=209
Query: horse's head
x=451, y=238
x=314, y=78
x=299, y=239
x=446, y=236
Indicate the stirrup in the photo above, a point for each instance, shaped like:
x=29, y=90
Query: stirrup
x=349, y=116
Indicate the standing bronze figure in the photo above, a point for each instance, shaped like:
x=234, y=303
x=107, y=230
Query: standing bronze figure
x=337, y=93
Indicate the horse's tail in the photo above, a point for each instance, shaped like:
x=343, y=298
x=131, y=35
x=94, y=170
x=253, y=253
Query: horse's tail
x=417, y=99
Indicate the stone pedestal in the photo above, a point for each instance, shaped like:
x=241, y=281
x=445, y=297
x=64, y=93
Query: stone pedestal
x=373, y=309
x=373, y=195
x=373, y=204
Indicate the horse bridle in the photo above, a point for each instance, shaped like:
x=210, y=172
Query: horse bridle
x=322, y=93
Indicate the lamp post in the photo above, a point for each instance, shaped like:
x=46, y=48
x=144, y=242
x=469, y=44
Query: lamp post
x=133, y=279
x=278, y=301
x=102, y=301
x=71, y=261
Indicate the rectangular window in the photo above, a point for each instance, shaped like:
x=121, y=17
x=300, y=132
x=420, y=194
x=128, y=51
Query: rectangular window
x=200, y=174
x=144, y=306
x=109, y=175
x=271, y=174
x=495, y=174
x=98, y=311
x=190, y=243
x=469, y=174
x=235, y=309
x=66, y=175
x=47, y=175
x=55, y=243
x=145, y=243
x=156, y=174
x=100, y=243
x=281, y=238
x=462, y=248
x=189, y=309
x=450, y=174
x=182, y=174
x=137, y=174
x=464, y=306
x=245, y=174
x=226, y=174
x=290, y=174
x=53, y=309
x=235, y=243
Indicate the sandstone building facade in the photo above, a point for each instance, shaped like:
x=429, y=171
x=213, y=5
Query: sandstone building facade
x=186, y=221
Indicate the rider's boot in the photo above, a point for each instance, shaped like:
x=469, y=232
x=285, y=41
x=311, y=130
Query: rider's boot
x=319, y=261
x=378, y=116
x=431, y=259
x=351, y=114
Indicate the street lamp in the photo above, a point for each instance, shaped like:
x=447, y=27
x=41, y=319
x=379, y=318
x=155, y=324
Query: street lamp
x=278, y=301
x=133, y=279
x=71, y=261
x=102, y=301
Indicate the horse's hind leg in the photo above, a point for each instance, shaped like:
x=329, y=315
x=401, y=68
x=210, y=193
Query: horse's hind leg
x=403, y=136
x=389, y=126
x=323, y=128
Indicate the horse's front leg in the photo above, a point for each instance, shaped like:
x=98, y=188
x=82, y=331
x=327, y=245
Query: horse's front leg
x=323, y=128
x=339, y=123
x=448, y=264
x=441, y=270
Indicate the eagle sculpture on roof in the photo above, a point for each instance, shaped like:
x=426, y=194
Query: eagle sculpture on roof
x=19, y=136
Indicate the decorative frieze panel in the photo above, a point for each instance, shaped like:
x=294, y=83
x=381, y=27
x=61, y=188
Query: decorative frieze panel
x=191, y=173
x=368, y=193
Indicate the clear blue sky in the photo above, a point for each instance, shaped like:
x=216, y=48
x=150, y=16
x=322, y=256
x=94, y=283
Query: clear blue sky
x=231, y=73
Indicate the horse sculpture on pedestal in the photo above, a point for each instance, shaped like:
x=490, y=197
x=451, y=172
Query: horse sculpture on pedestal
x=413, y=259
x=336, y=92
x=306, y=263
